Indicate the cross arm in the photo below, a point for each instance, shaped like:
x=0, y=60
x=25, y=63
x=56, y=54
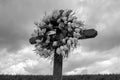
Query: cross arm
x=89, y=33
x=86, y=34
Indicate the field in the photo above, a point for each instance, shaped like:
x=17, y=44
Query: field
x=70, y=77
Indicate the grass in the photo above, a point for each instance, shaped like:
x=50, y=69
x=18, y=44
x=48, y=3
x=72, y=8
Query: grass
x=65, y=77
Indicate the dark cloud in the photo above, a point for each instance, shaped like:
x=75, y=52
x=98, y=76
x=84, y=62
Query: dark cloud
x=104, y=16
x=14, y=27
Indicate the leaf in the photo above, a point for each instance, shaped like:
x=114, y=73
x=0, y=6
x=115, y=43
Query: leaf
x=55, y=14
x=32, y=40
x=69, y=29
x=51, y=33
x=46, y=19
x=34, y=34
x=36, y=23
x=39, y=48
x=64, y=18
x=36, y=31
x=38, y=41
x=43, y=30
x=42, y=24
x=61, y=25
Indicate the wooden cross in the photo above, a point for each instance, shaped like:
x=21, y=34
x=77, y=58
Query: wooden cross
x=58, y=59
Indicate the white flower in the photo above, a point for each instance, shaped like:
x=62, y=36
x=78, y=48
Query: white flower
x=73, y=25
x=69, y=29
x=77, y=30
x=47, y=41
x=65, y=47
x=64, y=40
x=69, y=24
x=69, y=42
x=58, y=51
x=43, y=30
x=59, y=20
x=77, y=35
x=61, y=47
x=38, y=41
x=63, y=53
x=42, y=24
x=50, y=25
x=64, y=18
x=55, y=43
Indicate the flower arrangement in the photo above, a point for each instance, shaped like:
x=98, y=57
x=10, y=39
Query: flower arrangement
x=57, y=33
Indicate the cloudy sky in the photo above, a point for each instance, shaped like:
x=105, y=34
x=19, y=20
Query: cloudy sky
x=93, y=56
